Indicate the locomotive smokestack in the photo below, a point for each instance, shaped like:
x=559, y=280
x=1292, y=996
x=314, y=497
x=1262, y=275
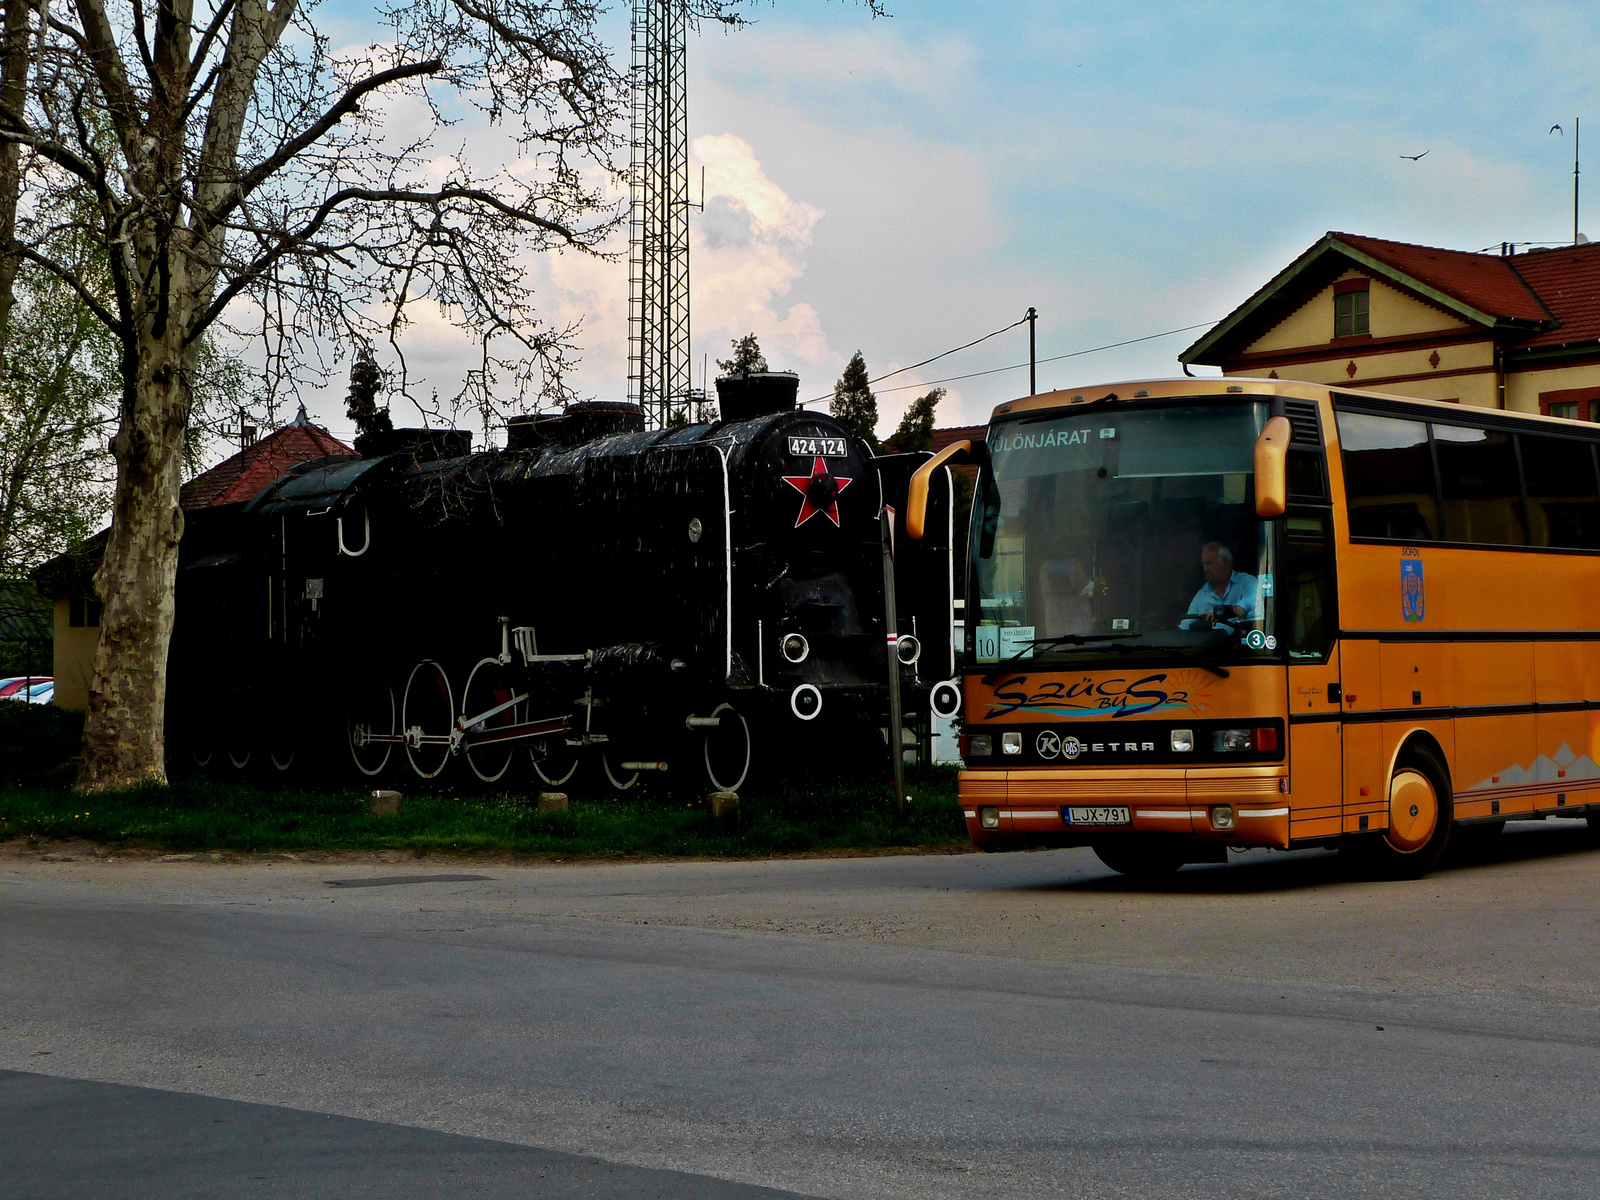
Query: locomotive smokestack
x=757, y=393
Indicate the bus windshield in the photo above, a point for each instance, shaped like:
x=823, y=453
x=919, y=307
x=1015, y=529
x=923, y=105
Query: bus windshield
x=1120, y=530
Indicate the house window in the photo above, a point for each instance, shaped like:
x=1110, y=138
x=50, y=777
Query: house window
x=1350, y=313
x=1575, y=404
x=83, y=612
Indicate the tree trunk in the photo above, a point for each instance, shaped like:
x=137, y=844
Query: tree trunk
x=13, y=87
x=124, y=737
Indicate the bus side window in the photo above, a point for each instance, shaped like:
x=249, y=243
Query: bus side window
x=1307, y=619
x=1388, y=478
x=1563, y=502
x=1478, y=478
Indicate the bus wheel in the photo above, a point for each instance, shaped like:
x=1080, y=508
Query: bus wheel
x=1139, y=860
x=1421, y=818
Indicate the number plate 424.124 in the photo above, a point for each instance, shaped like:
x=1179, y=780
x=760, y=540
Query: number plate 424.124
x=1105, y=814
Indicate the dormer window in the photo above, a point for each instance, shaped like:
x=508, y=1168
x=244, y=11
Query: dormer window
x=1350, y=308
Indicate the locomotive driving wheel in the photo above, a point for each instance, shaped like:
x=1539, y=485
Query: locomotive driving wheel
x=489, y=687
x=426, y=716
x=612, y=759
x=729, y=749
x=554, y=761
x=371, y=712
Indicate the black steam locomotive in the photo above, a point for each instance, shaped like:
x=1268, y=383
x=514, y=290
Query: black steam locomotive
x=706, y=598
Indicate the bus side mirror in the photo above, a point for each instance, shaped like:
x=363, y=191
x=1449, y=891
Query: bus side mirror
x=1272, y=482
x=917, y=493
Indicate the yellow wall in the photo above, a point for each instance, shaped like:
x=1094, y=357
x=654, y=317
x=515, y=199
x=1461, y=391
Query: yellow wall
x=74, y=657
x=1391, y=313
x=1523, y=387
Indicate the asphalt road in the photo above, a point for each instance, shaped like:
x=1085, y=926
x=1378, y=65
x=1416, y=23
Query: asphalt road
x=1013, y=1025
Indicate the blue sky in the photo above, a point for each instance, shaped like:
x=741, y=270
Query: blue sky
x=903, y=185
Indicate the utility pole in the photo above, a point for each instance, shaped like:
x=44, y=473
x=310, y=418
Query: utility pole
x=897, y=749
x=1574, y=181
x=1033, y=379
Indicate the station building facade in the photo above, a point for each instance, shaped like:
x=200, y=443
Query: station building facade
x=1497, y=330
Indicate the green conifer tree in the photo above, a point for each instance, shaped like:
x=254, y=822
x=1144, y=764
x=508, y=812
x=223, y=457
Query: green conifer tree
x=747, y=357
x=853, y=403
x=361, y=404
x=915, y=431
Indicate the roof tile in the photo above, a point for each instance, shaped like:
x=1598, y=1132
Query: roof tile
x=239, y=478
x=1487, y=282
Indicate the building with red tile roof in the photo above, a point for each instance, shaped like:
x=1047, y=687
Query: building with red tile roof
x=68, y=578
x=237, y=479
x=1506, y=330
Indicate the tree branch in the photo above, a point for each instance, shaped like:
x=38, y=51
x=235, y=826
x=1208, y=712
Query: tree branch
x=289, y=241
x=71, y=279
x=100, y=41
x=346, y=105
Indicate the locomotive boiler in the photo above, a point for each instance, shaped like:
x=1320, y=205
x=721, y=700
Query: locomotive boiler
x=706, y=599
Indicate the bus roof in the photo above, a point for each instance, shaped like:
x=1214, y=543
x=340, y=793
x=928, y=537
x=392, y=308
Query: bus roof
x=1140, y=389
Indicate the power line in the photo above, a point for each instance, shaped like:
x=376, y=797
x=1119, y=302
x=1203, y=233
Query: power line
x=1149, y=337
x=926, y=361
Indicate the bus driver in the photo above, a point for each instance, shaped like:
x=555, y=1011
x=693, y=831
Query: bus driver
x=1226, y=594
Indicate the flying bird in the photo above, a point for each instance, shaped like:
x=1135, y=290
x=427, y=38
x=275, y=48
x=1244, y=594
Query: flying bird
x=1555, y=129
x=1414, y=157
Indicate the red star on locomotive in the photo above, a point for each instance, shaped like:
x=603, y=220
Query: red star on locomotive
x=821, y=491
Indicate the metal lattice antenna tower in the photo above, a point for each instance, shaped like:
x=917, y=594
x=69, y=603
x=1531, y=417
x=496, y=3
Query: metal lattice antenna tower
x=659, y=377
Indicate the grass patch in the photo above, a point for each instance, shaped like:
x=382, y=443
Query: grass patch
x=202, y=814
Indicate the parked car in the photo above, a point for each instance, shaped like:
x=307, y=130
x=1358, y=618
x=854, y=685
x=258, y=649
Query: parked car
x=12, y=687
x=42, y=693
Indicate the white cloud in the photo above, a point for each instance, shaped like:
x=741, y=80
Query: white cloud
x=745, y=256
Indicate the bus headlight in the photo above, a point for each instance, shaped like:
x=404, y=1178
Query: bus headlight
x=1011, y=743
x=989, y=818
x=1182, y=740
x=979, y=745
x=1222, y=816
x=794, y=647
x=1232, y=740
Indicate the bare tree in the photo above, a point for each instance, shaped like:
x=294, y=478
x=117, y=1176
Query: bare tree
x=238, y=169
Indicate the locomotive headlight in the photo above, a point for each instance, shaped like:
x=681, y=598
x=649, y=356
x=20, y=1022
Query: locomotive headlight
x=794, y=647
x=695, y=529
x=908, y=649
x=805, y=701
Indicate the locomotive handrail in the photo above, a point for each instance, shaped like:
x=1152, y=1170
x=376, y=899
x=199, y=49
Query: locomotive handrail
x=917, y=493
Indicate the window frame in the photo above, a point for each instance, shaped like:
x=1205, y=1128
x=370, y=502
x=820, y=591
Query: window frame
x=1490, y=419
x=1360, y=314
x=1586, y=398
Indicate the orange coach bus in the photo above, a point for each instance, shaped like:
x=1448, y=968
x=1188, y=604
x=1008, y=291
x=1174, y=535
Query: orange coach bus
x=1213, y=613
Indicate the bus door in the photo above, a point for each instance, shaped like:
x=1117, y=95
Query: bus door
x=1366, y=778
x=1308, y=623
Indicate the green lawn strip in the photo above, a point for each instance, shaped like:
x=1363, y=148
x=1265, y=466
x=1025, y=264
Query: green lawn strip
x=202, y=814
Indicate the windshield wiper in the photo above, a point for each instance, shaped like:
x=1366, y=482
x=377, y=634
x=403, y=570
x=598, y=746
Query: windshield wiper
x=1066, y=639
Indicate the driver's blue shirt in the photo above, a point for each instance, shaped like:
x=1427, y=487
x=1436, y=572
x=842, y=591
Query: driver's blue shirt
x=1242, y=590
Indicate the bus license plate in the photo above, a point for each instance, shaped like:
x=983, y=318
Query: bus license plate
x=1107, y=814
